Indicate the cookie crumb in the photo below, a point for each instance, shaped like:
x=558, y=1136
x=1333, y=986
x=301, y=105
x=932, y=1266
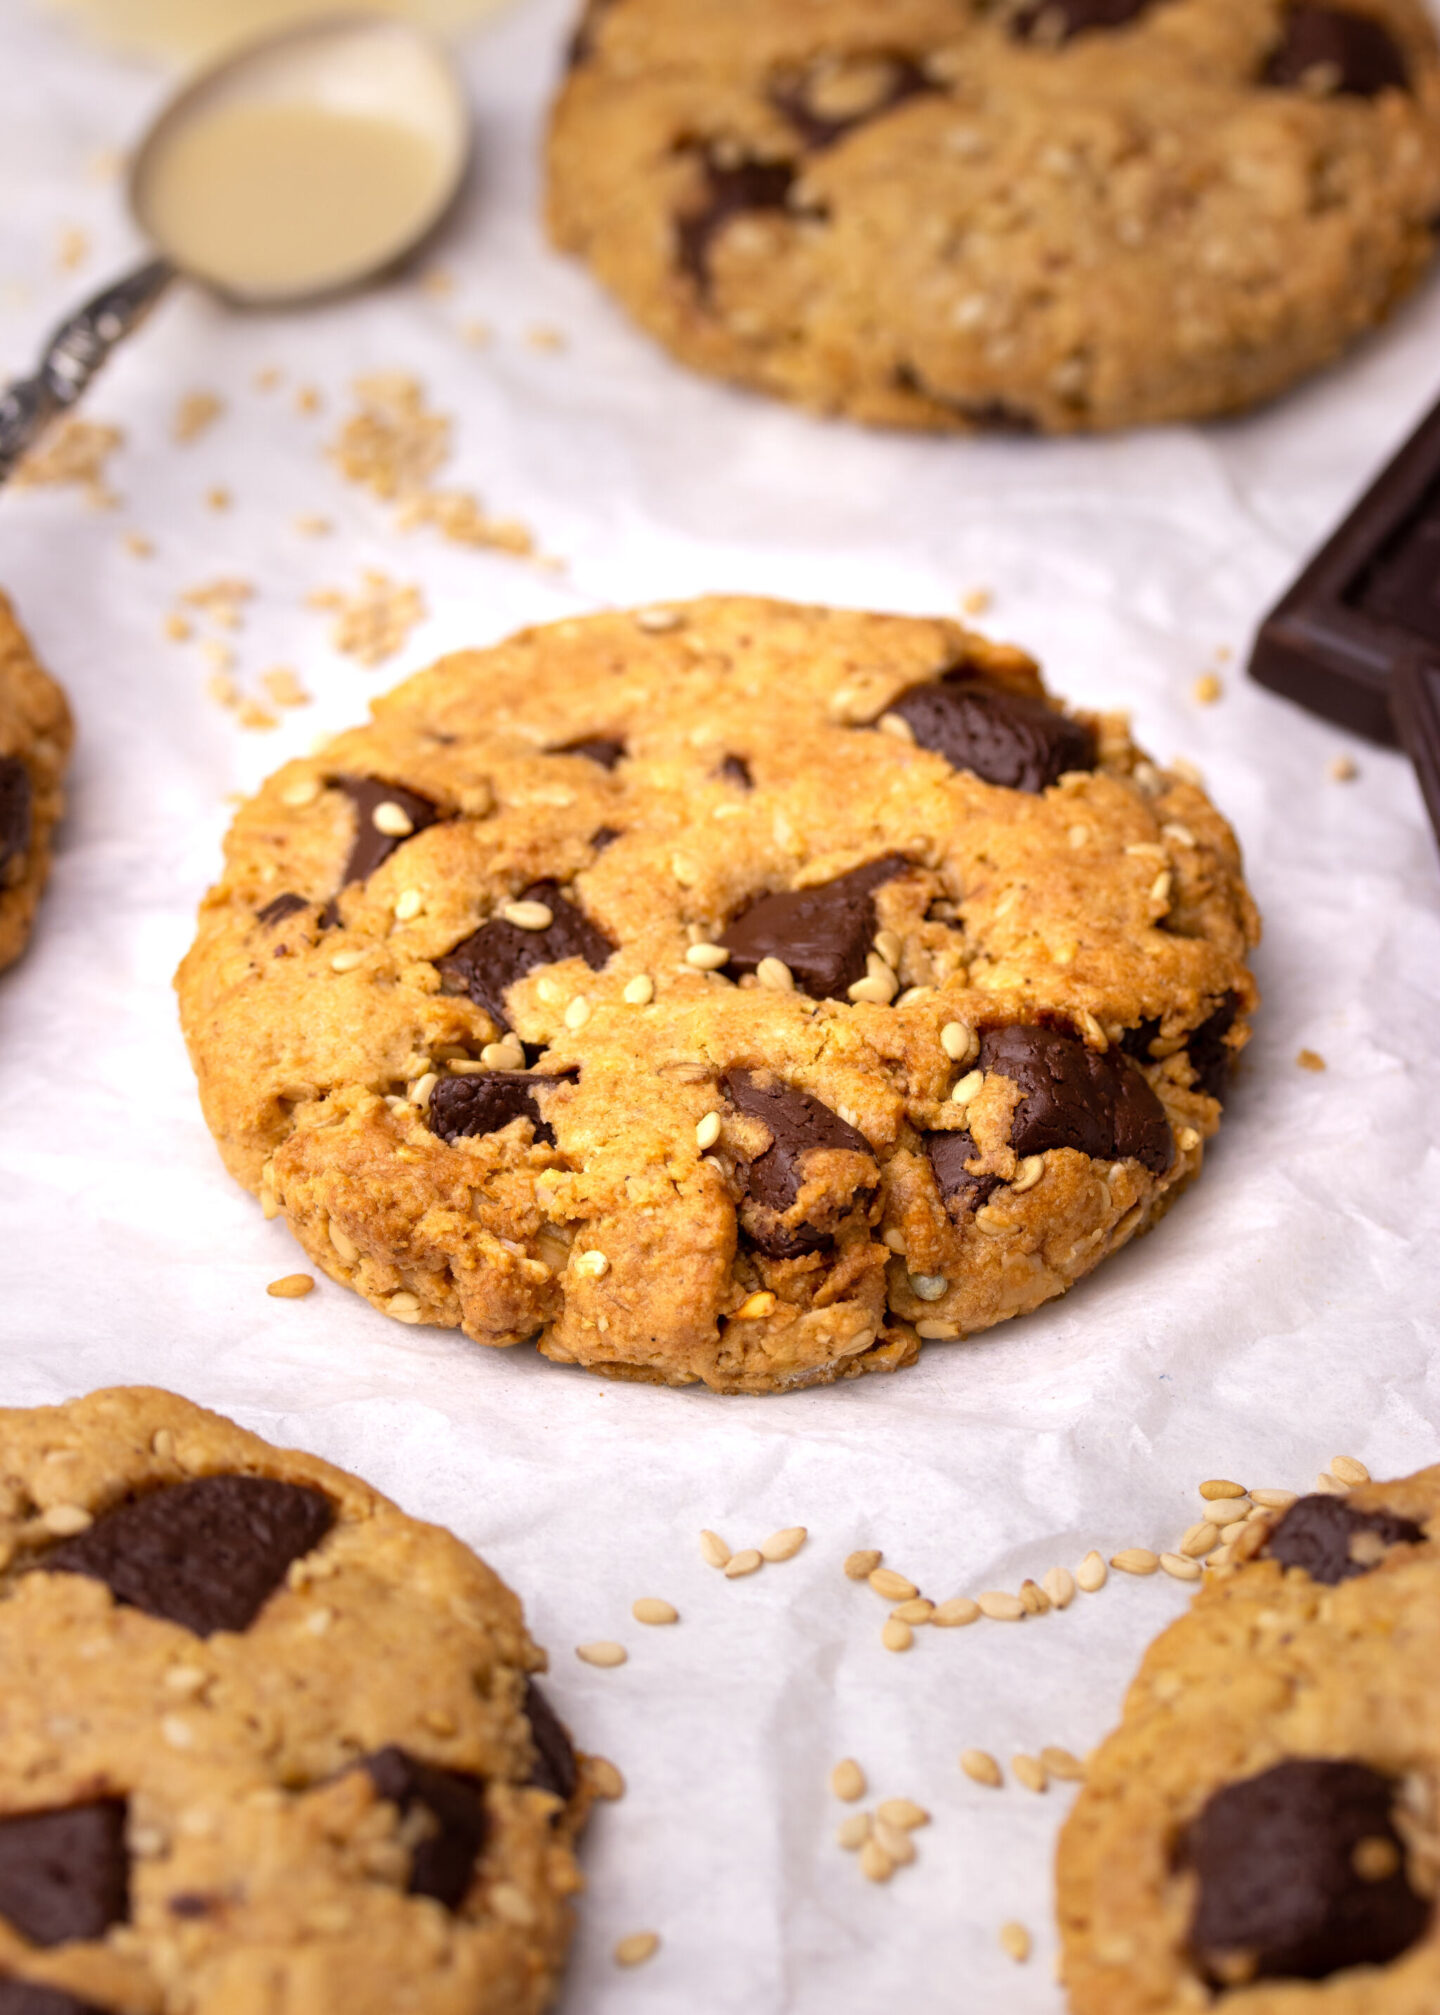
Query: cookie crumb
x=606, y=1780
x=1342, y=769
x=1015, y=1940
x=477, y=334
x=284, y=687
x=1206, y=690
x=310, y=525
x=308, y=399
x=219, y=498
x=76, y=452
x=544, y=336
x=73, y=249
x=138, y=546
x=603, y=1653
x=1310, y=1059
x=635, y=1949
x=373, y=622
x=291, y=1287
x=267, y=379
x=976, y=602
x=195, y=414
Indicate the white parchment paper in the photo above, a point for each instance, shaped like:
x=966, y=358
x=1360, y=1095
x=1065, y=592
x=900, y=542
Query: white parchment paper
x=1283, y=1313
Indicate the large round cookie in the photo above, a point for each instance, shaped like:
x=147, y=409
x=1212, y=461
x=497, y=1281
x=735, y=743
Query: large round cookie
x=265, y=1743
x=1261, y=1835
x=735, y=992
x=35, y=736
x=1033, y=214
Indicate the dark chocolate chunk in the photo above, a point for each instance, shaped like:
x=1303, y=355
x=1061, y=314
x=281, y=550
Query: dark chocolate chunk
x=64, y=1873
x=1055, y=21
x=372, y=847
x=444, y=1861
x=604, y=836
x=16, y=798
x=1210, y=1056
x=1401, y=585
x=960, y=1191
x=823, y=934
x=190, y=1904
x=986, y=416
x=280, y=907
x=1136, y=1041
x=499, y=953
x=28, y=1997
x=556, y=1769
x=730, y=191
x=799, y=1124
x=207, y=1555
x=1316, y=1533
x=904, y=79
x=1005, y=737
x=1283, y=1892
x=738, y=771
x=1355, y=50
x=1071, y=1096
x=1416, y=706
x=462, y=1107
x=601, y=749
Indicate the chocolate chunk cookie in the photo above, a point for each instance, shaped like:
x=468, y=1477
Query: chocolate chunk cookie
x=35, y=737
x=1263, y=1829
x=265, y=1742
x=1017, y=215
x=744, y=993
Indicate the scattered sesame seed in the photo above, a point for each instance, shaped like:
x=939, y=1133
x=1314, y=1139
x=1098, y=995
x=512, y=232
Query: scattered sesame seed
x=875, y=1863
x=861, y=1565
x=903, y=1813
x=1342, y=769
x=1031, y=1772
x=919, y=1609
x=1274, y=1500
x=605, y=1779
x=74, y=452
x=543, y=336
x=896, y=1636
x=177, y=629
x=980, y=1766
x=1059, y=1584
x=1062, y=1763
x=195, y=414
x=311, y=526
x=291, y=1287
x=954, y=1613
x=847, y=1780
x=1310, y=1059
x=65, y=1520
x=707, y=1131
x=976, y=601
x=895, y=1842
x=1135, y=1560
x=602, y=1652
x=219, y=498
x=894, y=1587
x=1199, y=1540
x=930, y=1329
x=1015, y=1940
x=746, y=1561
x=1180, y=1566
x=1219, y=1486
x=652, y=1609
x=636, y=1947
x=593, y=1265
x=138, y=546
x=1000, y=1606
x=1206, y=690
x=713, y=1550
x=785, y=1544
x=1331, y=1486
x=1091, y=1575
x=853, y=1831
x=1034, y=1599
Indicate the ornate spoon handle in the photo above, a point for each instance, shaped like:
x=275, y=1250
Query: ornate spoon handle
x=72, y=357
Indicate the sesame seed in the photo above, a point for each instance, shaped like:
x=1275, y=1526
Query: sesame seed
x=896, y=1636
x=503, y=1055
x=291, y=1287
x=1331, y=1486
x=1206, y=690
x=1348, y=1469
x=853, y=1831
x=959, y=1041
x=980, y=1766
x=602, y=1652
x=405, y=1307
x=713, y=1550
x=593, y=1265
x=303, y=791
x=419, y=1092
x=919, y=1609
x=968, y=1087
x=1274, y=1500
x=1027, y=1174
x=1062, y=1763
x=1219, y=1487
x=745, y=1562
x=657, y=621
x=932, y=1330
x=1091, y=1574
x=898, y=726
x=775, y=976
x=861, y=1565
x=1135, y=1560
x=707, y=1131
x=1187, y=1140
x=1059, y=1584
x=636, y=1947
x=1160, y=887
x=1342, y=769
x=1000, y=1606
x=605, y=1780
x=1036, y=1602
x=652, y=1609
x=847, y=1780
x=346, y=962
x=408, y=905
x=1180, y=1566
x=578, y=1012
x=1015, y=1940
x=903, y=1813
x=889, y=946
x=1251, y=1539
x=640, y=991
x=1030, y=1771
x=894, y=1841
x=185, y=1679
x=877, y=989
x=754, y=1306
x=954, y=1613
x=875, y=1863
x=65, y=1520
x=894, y=1587
x=683, y=870
x=707, y=958
x=1199, y=1540
x=344, y=1245
x=785, y=1544
x=528, y=916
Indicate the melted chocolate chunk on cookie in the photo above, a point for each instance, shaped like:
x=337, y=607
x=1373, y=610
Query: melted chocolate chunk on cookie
x=500, y=953
x=1210, y=1055
x=1004, y=737
x=1071, y=1096
x=1353, y=54
x=604, y=836
x=462, y=1108
x=1333, y=1541
x=986, y=416
x=207, y=1555
x=1054, y=22
x=372, y=848
x=16, y=803
x=823, y=934
x=443, y=1863
x=602, y=749
x=737, y=770
x=1301, y=1873
x=556, y=1769
x=731, y=190
x=895, y=79
x=64, y=1874
x=280, y=907
x=799, y=1125
x=960, y=1191
x=28, y=1997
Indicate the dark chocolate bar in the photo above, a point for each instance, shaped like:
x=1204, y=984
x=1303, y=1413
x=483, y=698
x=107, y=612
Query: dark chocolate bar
x=1417, y=715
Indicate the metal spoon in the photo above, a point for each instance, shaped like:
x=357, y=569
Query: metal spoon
x=253, y=181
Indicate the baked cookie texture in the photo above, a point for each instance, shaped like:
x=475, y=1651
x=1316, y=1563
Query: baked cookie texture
x=265, y=1742
x=35, y=738
x=1261, y=1835
x=1043, y=215
x=735, y=991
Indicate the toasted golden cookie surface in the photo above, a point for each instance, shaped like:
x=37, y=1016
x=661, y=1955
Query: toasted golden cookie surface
x=1050, y=215
x=673, y=987
x=1261, y=1835
x=265, y=1742
x=35, y=737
